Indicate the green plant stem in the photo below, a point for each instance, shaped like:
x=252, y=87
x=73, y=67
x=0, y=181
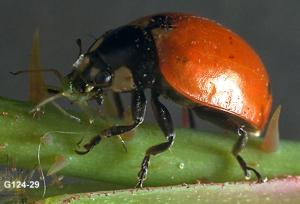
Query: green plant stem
x=275, y=191
x=195, y=156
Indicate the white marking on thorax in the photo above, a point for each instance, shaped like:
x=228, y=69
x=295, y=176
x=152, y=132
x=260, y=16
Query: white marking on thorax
x=82, y=62
x=123, y=80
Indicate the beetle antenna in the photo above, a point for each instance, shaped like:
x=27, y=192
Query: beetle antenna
x=54, y=71
x=79, y=43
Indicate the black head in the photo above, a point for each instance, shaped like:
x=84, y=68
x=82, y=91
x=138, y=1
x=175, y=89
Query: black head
x=89, y=72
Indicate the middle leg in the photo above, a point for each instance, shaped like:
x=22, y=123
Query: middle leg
x=165, y=123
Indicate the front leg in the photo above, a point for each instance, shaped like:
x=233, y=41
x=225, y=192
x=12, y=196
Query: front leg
x=138, y=105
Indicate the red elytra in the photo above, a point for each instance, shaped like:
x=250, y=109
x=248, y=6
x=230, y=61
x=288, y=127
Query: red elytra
x=212, y=66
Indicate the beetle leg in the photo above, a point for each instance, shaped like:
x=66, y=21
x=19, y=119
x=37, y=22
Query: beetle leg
x=237, y=148
x=138, y=113
x=188, y=118
x=191, y=119
x=119, y=105
x=165, y=123
x=117, y=100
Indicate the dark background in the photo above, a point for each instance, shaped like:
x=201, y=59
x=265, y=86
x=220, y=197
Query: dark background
x=271, y=27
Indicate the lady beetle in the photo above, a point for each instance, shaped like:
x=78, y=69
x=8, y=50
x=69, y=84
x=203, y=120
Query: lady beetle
x=192, y=60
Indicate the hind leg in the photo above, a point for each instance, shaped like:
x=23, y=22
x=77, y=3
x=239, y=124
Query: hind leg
x=188, y=118
x=237, y=148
